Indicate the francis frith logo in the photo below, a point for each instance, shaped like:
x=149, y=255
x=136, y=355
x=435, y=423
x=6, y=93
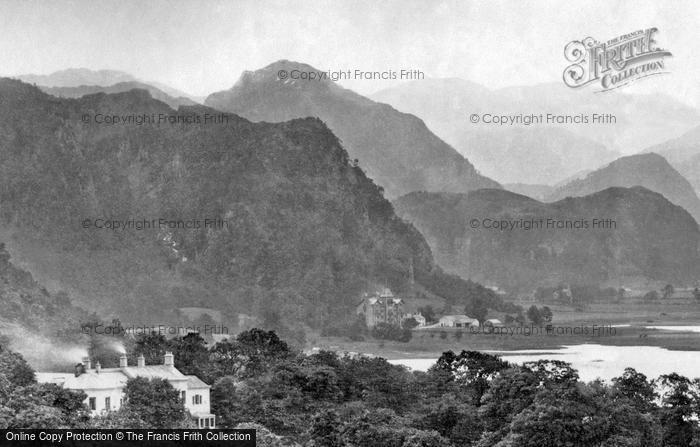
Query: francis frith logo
x=616, y=62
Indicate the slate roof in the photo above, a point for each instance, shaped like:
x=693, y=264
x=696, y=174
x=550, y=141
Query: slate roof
x=109, y=378
x=194, y=382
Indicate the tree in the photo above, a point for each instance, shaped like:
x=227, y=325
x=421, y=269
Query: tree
x=191, y=354
x=409, y=323
x=386, y=331
x=678, y=400
x=667, y=291
x=477, y=309
x=451, y=418
x=15, y=368
x=152, y=346
x=472, y=370
x=156, y=402
x=428, y=312
x=223, y=401
x=547, y=314
x=251, y=353
x=120, y=419
x=534, y=315
x=325, y=429
x=651, y=296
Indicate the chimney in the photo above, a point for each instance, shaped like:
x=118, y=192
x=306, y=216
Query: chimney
x=123, y=361
x=98, y=367
x=86, y=362
x=141, y=361
x=79, y=369
x=169, y=359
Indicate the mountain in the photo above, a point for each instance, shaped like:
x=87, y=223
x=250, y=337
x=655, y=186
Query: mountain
x=137, y=219
x=651, y=171
x=559, y=149
x=83, y=77
x=684, y=154
x=77, y=92
x=396, y=149
x=550, y=154
x=651, y=238
x=74, y=77
x=539, y=192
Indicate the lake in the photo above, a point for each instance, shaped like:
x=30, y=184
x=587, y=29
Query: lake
x=598, y=361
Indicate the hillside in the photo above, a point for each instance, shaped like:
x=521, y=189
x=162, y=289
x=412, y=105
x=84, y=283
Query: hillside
x=684, y=154
x=651, y=171
x=396, y=149
x=652, y=237
x=44, y=326
x=305, y=231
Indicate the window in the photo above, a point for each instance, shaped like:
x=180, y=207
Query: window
x=206, y=423
x=108, y=405
x=183, y=396
x=92, y=403
x=196, y=399
x=211, y=422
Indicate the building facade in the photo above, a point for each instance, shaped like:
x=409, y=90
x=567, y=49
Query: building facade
x=382, y=307
x=105, y=386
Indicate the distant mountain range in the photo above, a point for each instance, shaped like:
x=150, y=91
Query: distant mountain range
x=684, y=154
x=77, y=92
x=306, y=231
x=653, y=238
x=551, y=152
x=396, y=149
x=651, y=171
x=83, y=77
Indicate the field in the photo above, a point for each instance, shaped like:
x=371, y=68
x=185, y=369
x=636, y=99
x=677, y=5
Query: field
x=619, y=324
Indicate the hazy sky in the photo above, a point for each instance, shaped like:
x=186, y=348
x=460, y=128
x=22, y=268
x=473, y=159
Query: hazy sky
x=201, y=47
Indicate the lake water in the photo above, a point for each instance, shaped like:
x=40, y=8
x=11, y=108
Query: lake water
x=598, y=361
x=676, y=328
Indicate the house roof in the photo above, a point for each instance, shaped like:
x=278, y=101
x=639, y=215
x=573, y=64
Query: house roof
x=109, y=378
x=194, y=382
x=90, y=380
x=458, y=319
x=154, y=371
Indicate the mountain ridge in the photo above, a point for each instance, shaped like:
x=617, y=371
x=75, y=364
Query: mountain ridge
x=459, y=229
x=650, y=170
x=395, y=148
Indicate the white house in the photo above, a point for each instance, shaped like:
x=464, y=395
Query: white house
x=105, y=386
x=458, y=321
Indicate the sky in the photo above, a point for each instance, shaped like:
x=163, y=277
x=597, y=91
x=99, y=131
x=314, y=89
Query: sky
x=202, y=47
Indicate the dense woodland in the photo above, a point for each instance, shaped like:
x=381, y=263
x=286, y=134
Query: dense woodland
x=323, y=399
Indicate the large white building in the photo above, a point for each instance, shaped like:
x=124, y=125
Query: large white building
x=105, y=386
x=458, y=321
